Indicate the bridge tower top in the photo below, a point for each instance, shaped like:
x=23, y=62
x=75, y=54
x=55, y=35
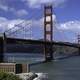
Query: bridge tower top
x=48, y=26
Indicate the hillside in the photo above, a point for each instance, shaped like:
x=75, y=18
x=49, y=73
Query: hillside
x=39, y=49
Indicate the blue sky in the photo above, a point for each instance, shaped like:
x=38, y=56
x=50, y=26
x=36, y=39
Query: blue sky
x=66, y=17
x=70, y=11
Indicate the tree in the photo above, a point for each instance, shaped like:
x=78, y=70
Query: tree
x=8, y=76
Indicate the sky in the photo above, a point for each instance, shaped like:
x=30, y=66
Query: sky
x=66, y=18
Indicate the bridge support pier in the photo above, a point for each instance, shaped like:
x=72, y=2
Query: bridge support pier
x=48, y=53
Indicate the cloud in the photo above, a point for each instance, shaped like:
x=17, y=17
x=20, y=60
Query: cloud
x=6, y=24
x=66, y=31
x=38, y=27
x=21, y=12
x=3, y=5
x=41, y=20
x=38, y=3
x=18, y=25
x=3, y=24
x=3, y=19
x=70, y=25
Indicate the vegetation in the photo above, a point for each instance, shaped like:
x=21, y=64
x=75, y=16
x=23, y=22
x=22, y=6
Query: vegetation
x=8, y=76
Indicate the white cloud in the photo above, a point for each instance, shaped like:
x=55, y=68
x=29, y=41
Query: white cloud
x=70, y=25
x=41, y=20
x=10, y=26
x=4, y=7
x=38, y=3
x=21, y=12
x=68, y=29
x=2, y=19
x=38, y=27
x=3, y=24
x=6, y=24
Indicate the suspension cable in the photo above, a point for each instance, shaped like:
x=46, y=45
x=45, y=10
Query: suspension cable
x=13, y=27
x=17, y=29
x=60, y=31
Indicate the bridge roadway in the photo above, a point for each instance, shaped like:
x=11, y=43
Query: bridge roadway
x=30, y=41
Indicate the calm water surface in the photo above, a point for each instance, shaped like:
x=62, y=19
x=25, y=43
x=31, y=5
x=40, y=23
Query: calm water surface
x=23, y=57
x=65, y=69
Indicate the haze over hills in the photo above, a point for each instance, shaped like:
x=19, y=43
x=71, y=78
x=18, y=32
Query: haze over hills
x=29, y=48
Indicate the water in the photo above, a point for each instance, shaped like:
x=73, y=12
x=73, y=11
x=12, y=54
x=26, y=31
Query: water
x=27, y=58
x=65, y=69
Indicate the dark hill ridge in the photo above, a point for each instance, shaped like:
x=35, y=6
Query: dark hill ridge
x=24, y=48
x=39, y=49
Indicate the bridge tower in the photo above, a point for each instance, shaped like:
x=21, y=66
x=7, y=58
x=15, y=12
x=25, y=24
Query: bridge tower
x=48, y=32
x=79, y=44
x=2, y=47
x=78, y=39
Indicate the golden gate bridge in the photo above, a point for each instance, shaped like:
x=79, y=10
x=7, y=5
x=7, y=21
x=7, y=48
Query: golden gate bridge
x=14, y=36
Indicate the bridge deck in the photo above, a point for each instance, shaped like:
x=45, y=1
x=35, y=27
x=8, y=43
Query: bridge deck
x=30, y=41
